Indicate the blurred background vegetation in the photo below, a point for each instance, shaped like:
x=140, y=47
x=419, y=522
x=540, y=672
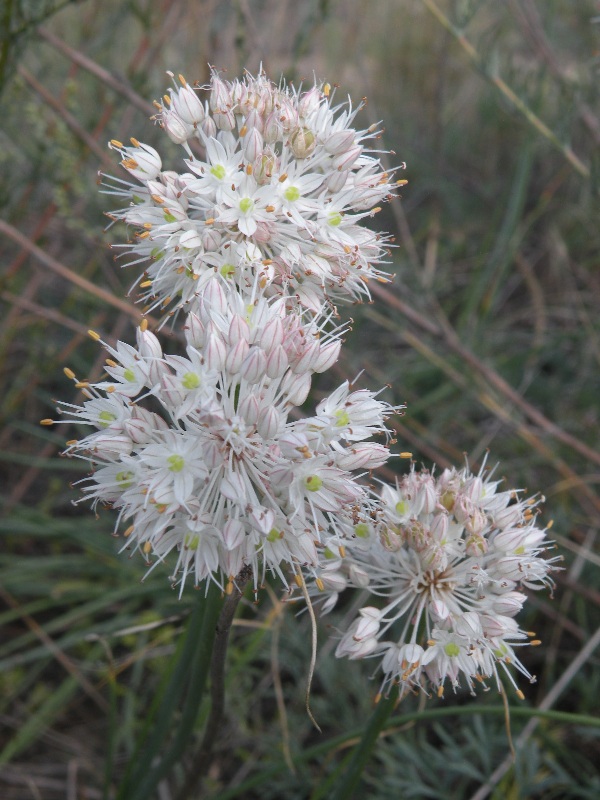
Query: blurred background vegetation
x=490, y=333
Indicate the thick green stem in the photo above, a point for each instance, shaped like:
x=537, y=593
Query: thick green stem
x=202, y=759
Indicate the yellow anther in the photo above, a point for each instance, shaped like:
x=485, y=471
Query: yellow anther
x=243, y=130
x=147, y=547
x=143, y=235
x=110, y=389
x=327, y=89
x=130, y=163
x=144, y=325
x=440, y=691
x=320, y=584
x=157, y=198
x=298, y=580
x=46, y=422
x=69, y=373
x=406, y=454
x=93, y=335
x=342, y=551
x=116, y=143
x=129, y=531
x=520, y=695
x=111, y=363
x=535, y=642
x=147, y=226
x=71, y=442
x=249, y=169
x=283, y=177
x=146, y=284
x=209, y=221
x=182, y=80
x=167, y=99
x=270, y=208
x=229, y=588
x=401, y=182
x=82, y=385
x=134, y=141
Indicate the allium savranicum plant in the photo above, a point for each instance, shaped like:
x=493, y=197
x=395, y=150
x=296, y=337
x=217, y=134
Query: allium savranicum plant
x=204, y=456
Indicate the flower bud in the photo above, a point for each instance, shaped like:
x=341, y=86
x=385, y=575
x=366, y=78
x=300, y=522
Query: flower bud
x=340, y=142
x=224, y=120
x=336, y=181
x=309, y=102
x=253, y=145
x=175, y=127
x=187, y=105
x=277, y=362
x=253, y=368
x=233, y=534
x=236, y=356
x=345, y=160
x=303, y=142
x=270, y=422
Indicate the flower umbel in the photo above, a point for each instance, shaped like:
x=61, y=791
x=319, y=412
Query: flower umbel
x=270, y=170
x=450, y=557
x=198, y=453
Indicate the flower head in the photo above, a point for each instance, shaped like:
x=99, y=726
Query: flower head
x=268, y=166
x=198, y=453
x=449, y=557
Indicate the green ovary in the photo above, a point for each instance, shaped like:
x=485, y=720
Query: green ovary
x=401, y=507
x=190, y=380
x=362, y=530
x=129, y=375
x=246, y=205
x=227, y=270
x=342, y=418
x=335, y=219
x=191, y=541
x=218, y=171
x=273, y=535
x=451, y=649
x=176, y=463
x=105, y=418
x=313, y=483
x=291, y=194
x=124, y=479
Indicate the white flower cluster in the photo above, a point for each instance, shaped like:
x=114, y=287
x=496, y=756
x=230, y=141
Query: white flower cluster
x=198, y=452
x=274, y=175
x=449, y=556
x=205, y=455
